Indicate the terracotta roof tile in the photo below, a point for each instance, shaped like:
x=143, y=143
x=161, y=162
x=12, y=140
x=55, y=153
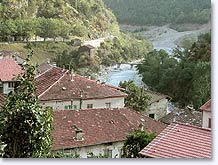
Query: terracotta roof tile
x=45, y=81
x=70, y=87
x=206, y=106
x=99, y=126
x=186, y=116
x=180, y=141
x=9, y=69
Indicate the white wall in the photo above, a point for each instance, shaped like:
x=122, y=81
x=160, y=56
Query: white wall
x=206, y=116
x=98, y=149
x=160, y=109
x=6, y=89
x=100, y=103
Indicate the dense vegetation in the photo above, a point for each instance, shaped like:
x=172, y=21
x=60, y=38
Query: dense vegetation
x=135, y=142
x=119, y=49
x=137, y=98
x=159, y=12
x=23, y=20
x=25, y=127
x=185, y=76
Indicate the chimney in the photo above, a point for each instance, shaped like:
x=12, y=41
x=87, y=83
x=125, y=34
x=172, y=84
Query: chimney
x=79, y=134
x=71, y=75
x=190, y=107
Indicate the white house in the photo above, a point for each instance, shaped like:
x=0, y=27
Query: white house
x=159, y=105
x=60, y=89
x=9, y=69
x=98, y=131
x=206, y=113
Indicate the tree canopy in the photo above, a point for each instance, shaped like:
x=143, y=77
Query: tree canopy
x=137, y=97
x=135, y=142
x=159, y=12
x=25, y=127
x=185, y=76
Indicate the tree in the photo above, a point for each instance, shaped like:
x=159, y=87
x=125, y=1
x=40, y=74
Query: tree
x=137, y=98
x=135, y=142
x=25, y=127
x=185, y=76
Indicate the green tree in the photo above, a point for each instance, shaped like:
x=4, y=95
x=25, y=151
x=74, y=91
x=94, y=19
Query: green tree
x=185, y=76
x=25, y=127
x=137, y=97
x=135, y=142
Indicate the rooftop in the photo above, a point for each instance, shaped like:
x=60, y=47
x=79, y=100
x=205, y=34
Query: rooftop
x=60, y=84
x=186, y=116
x=206, y=106
x=9, y=69
x=155, y=96
x=99, y=126
x=180, y=141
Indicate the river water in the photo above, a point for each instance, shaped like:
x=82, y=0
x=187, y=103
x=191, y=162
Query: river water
x=114, y=75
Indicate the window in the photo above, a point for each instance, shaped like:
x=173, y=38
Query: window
x=152, y=116
x=108, y=153
x=89, y=105
x=108, y=105
x=209, y=123
x=11, y=85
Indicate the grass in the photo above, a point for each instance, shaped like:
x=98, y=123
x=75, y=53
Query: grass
x=42, y=51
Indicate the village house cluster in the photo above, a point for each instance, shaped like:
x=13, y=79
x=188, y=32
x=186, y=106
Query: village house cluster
x=91, y=117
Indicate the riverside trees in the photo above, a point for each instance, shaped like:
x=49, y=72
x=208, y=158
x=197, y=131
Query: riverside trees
x=185, y=76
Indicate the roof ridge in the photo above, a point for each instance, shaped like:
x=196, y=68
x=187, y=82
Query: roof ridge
x=37, y=76
x=53, y=84
x=193, y=126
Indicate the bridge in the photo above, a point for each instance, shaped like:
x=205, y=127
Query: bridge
x=129, y=63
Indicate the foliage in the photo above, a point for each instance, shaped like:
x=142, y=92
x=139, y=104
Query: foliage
x=185, y=76
x=61, y=155
x=137, y=98
x=25, y=127
x=55, y=18
x=135, y=142
x=159, y=12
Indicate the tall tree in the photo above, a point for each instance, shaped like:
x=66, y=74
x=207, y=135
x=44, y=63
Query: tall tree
x=25, y=127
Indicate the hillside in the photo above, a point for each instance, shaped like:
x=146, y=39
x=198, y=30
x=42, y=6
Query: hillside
x=160, y=12
x=26, y=19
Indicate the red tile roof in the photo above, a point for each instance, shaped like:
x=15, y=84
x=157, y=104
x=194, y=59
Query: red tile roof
x=48, y=79
x=206, y=106
x=180, y=141
x=99, y=126
x=56, y=84
x=9, y=69
x=2, y=99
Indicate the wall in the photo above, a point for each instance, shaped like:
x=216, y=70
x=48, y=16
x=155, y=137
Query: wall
x=206, y=116
x=6, y=89
x=99, y=103
x=160, y=109
x=116, y=148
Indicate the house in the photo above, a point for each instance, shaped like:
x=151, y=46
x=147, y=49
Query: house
x=180, y=140
x=98, y=131
x=4, y=54
x=60, y=89
x=186, y=115
x=8, y=72
x=87, y=48
x=206, y=113
x=158, y=106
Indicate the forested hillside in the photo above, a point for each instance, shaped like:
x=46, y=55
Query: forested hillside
x=160, y=12
x=25, y=19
